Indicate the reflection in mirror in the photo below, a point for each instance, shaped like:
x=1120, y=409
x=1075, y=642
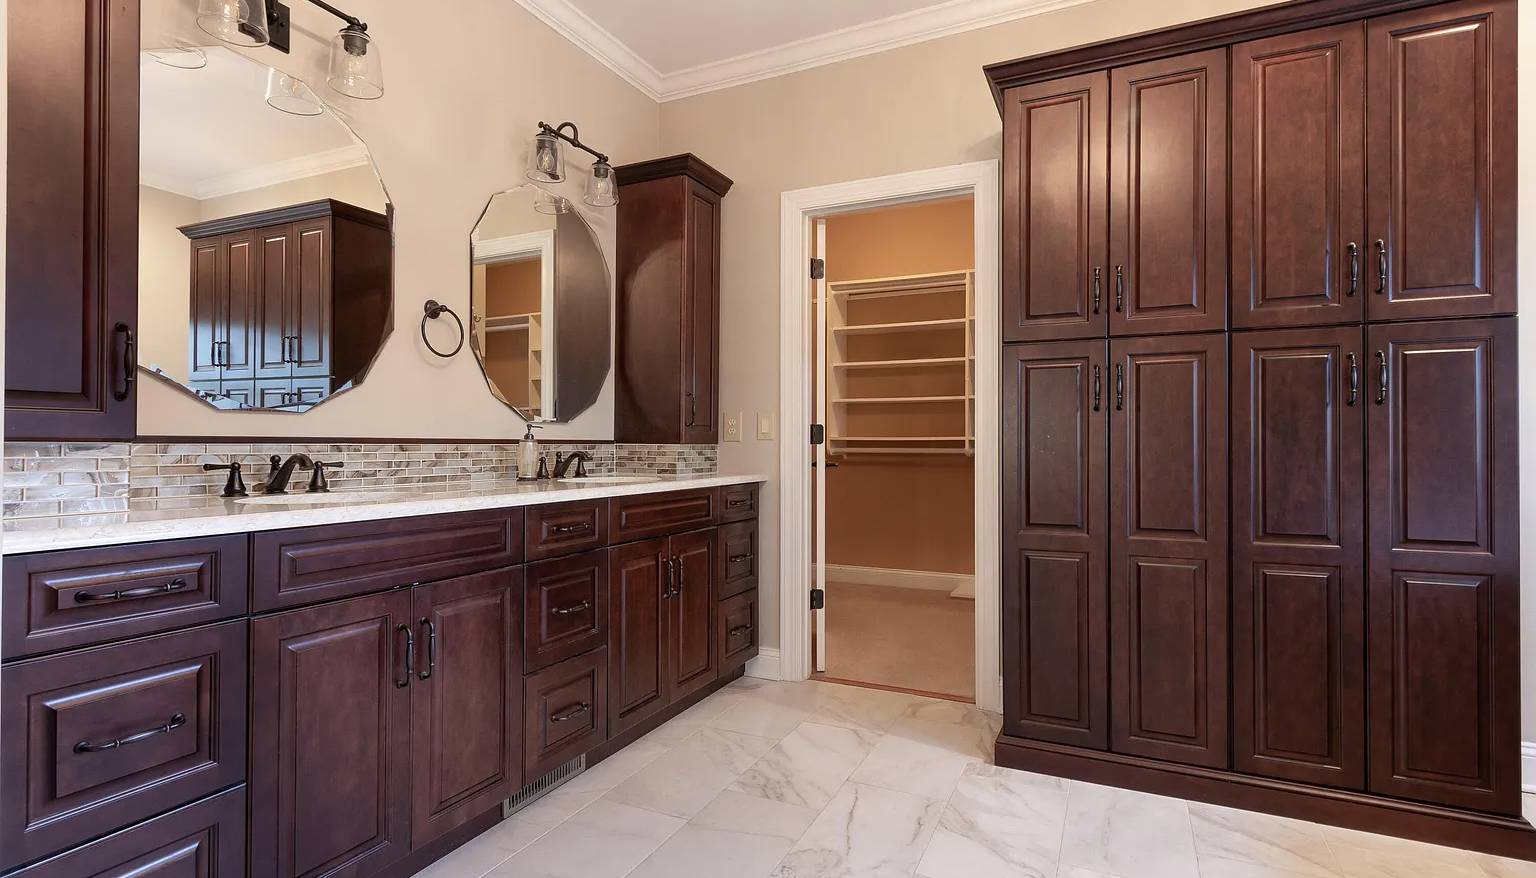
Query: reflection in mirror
x=264, y=236
x=540, y=304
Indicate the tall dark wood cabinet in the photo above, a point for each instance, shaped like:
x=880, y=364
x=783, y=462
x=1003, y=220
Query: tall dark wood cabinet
x=668, y=302
x=1272, y=564
x=72, y=202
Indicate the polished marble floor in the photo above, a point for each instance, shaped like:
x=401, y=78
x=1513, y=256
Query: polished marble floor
x=795, y=780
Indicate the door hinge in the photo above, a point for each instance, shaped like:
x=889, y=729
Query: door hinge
x=818, y=599
x=818, y=434
x=818, y=268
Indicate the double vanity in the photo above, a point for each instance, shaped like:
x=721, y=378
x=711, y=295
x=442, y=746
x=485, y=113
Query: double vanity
x=351, y=683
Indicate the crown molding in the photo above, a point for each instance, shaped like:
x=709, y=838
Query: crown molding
x=943, y=19
x=260, y=176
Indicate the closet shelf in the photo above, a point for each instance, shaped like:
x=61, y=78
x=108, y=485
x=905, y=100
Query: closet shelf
x=911, y=285
x=903, y=438
x=912, y=326
x=900, y=364
x=499, y=322
x=897, y=400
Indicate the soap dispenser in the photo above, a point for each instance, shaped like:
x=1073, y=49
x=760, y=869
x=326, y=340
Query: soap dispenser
x=528, y=456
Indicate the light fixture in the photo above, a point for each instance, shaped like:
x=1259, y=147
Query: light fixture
x=545, y=165
x=355, y=68
x=237, y=22
x=602, y=188
x=553, y=204
x=291, y=95
x=182, y=57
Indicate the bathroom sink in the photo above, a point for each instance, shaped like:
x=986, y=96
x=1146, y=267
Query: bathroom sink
x=300, y=498
x=607, y=480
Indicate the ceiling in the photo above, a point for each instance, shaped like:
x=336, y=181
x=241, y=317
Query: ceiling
x=684, y=47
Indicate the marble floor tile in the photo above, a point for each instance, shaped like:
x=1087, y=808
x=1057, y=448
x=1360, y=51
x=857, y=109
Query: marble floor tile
x=865, y=831
x=683, y=780
x=808, y=766
x=1278, y=843
x=923, y=758
x=1127, y=833
x=764, y=715
x=628, y=835
x=1367, y=855
x=1501, y=867
x=1001, y=823
x=736, y=835
x=871, y=710
x=487, y=850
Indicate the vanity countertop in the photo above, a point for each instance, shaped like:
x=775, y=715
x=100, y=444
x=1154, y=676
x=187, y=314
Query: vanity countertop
x=230, y=516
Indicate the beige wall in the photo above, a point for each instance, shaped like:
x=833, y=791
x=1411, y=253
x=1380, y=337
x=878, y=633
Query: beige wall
x=165, y=283
x=464, y=91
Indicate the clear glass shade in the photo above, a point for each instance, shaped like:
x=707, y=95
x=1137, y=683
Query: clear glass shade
x=602, y=188
x=355, y=67
x=553, y=204
x=291, y=95
x=545, y=164
x=237, y=22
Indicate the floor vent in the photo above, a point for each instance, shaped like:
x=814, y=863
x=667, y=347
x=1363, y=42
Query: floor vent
x=535, y=790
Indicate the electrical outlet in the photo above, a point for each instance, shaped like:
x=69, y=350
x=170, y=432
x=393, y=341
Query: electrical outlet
x=765, y=425
x=732, y=431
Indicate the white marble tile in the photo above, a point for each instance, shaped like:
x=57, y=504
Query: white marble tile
x=604, y=840
x=924, y=758
x=684, y=779
x=936, y=710
x=1217, y=867
x=736, y=835
x=872, y=710
x=1277, y=843
x=1001, y=823
x=1127, y=833
x=867, y=832
x=1502, y=867
x=677, y=729
x=1367, y=855
x=766, y=713
x=808, y=765
x=486, y=851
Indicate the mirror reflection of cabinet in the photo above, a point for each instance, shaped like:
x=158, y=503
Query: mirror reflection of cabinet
x=288, y=305
x=513, y=289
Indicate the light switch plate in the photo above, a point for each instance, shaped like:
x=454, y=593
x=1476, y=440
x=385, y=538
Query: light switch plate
x=732, y=432
x=765, y=425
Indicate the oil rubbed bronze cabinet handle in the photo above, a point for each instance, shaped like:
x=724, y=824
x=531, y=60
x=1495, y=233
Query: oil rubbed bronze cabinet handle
x=738, y=502
x=665, y=562
x=1354, y=268
x=1098, y=286
x=678, y=588
x=1354, y=379
x=1381, y=266
x=571, y=713
x=1381, y=378
x=130, y=361
x=86, y=597
x=426, y=674
x=692, y=413
x=737, y=559
x=564, y=529
x=1119, y=387
x=410, y=650
x=573, y=608
x=739, y=631
x=177, y=721
x=1098, y=388
x=1119, y=288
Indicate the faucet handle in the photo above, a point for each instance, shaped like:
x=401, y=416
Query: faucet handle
x=317, y=480
x=581, y=467
x=234, y=486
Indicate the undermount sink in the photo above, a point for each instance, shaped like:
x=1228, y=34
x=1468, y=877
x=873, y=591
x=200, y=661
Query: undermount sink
x=299, y=498
x=607, y=480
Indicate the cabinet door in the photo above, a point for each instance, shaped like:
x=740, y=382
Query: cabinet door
x=206, y=331
x=1168, y=195
x=1055, y=597
x=637, y=631
x=1055, y=145
x=271, y=393
x=72, y=219
x=1298, y=178
x=466, y=700
x=275, y=253
x=701, y=317
x=240, y=292
x=1444, y=564
x=309, y=299
x=1168, y=548
x=1298, y=555
x=691, y=623
x=330, y=774
x=1442, y=154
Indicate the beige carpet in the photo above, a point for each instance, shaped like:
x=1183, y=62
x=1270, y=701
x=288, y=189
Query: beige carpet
x=903, y=637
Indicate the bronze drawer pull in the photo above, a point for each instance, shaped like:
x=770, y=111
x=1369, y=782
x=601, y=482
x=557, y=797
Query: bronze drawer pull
x=431, y=649
x=571, y=713
x=1381, y=266
x=573, y=608
x=739, y=631
x=562, y=529
x=86, y=597
x=177, y=721
x=739, y=502
x=737, y=559
x=1354, y=268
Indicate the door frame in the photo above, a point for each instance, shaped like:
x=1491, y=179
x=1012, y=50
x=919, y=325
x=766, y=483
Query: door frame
x=798, y=209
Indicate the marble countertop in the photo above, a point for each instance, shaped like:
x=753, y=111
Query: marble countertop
x=23, y=535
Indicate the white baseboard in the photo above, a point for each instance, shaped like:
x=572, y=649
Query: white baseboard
x=958, y=584
x=766, y=665
x=1528, y=766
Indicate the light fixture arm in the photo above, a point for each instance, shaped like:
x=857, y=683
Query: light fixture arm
x=574, y=138
x=278, y=26
x=351, y=20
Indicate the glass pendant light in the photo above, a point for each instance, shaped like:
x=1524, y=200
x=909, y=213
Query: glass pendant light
x=237, y=22
x=602, y=188
x=291, y=95
x=355, y=68
x=551, y=203
x=545, y=164
x=180, y=54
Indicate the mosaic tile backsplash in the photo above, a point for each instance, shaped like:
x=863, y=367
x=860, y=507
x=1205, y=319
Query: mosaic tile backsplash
x=46, y=478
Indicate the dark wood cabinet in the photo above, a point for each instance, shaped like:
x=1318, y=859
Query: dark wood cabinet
x=72, y=250
x=565, y=609
x=736, y=631
x=1298, y=178
x=736, y=558
x=1055, y=431
x=691, y=659
x=637, y=618
x=565, y=712
x=565, y=528
x=1444, y=563
x=650, y=515
x=668, y=301
x=1168, y=548
x=1168, y=195
x=1298, y=555
x=1055, y=247
x=1442, y=152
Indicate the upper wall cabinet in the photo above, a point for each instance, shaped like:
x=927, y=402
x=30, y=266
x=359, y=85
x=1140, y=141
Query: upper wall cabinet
x=71, y=208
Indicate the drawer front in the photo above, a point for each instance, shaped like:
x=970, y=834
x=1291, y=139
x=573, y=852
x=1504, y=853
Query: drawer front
x=101, y=738
x=565, y=608
x=565, y=528
x=736, y=633
x=309, y=564
x=738, y=502
x=565, y=710
x=82, y=597
x=652, y=515
x=736, y=555
x=203, y=840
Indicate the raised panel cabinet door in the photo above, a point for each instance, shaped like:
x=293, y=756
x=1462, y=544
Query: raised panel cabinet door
x=1441, y=165
x=1168, y=549
x=691, y=659
x=638, y=609
x=1168, y=195
x=1056, y=399
x=466, y=700
x=1298, y=555
x=241, y=285
x=1444, y=564
x=1298, y=178
x=309, y=299
x=701, y=317
x=1055, y=218
x=206, y=332
x=72, y=251
x=330, y=777
x=277, y=259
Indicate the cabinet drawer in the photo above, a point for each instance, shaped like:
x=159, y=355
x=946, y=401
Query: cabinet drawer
x=203, y=840
x=62, y=600
x=736, y=632
x=736, y=555
x=308, y=564
x=103, y=737
x=565, y=608
x=565, y=710
x=738, y=502
x=651, y=515
x=565, y=528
